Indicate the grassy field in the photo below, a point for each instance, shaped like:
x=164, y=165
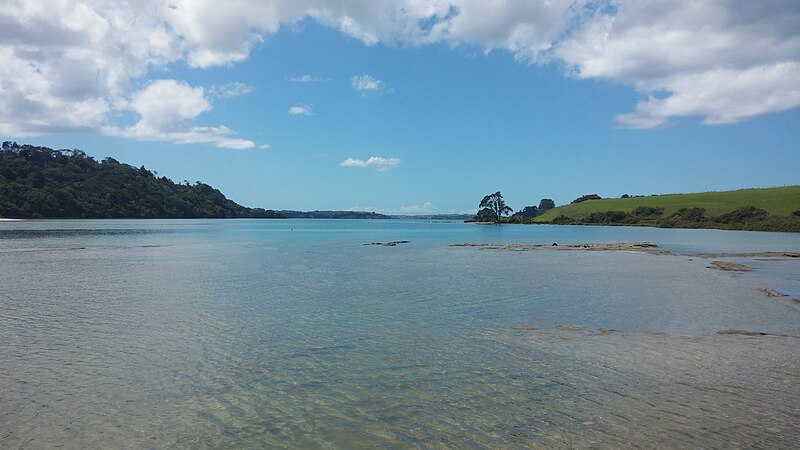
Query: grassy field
x=779, y=201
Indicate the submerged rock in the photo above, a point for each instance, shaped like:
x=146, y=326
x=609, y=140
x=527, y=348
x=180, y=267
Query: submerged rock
x=645, y=247
x=388, y=244
x=742, y=332
x=771, y=292
x=729, y=266
x=751, y=333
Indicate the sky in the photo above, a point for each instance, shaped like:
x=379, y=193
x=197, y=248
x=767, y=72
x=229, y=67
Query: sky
x=413, y=106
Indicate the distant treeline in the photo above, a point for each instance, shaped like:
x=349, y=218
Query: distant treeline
x=747, y=218
x=332, y=215
x=39, y=182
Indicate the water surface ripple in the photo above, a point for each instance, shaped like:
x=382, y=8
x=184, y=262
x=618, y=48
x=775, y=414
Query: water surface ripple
x=293, y=334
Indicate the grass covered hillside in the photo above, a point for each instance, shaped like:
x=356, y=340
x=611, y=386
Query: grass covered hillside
x=769, y=209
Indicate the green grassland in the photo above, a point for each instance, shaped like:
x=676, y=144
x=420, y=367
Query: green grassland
x=778, y=201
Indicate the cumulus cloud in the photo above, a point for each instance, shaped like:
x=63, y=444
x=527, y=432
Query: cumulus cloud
x=263, y=146
x=300, y=110
x=367, y=85
x=377, y=163
x=724, y=60
x=74, y=65
x=305, y=79
x=229, y=90
x=167, y=109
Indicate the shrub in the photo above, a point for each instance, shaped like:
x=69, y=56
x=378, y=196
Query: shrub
x=647, y=211
x=690, y=214
x=742, y=215
x=583, y=198
x=563, y=220
x=605, y=217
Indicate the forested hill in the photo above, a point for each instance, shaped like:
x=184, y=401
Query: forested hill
x=39, y=182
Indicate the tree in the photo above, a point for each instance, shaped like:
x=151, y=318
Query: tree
x=496, y=206
x=546, y=204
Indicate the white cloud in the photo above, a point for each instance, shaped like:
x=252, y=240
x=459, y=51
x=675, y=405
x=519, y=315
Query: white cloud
x=425, y=208
x=300, y=110
x=305, y=79
x=376, y=163
x=263, y=146
x=167, y=109
x=724, y=60
x=367, y=85
x=229, y=90
x=73, y=65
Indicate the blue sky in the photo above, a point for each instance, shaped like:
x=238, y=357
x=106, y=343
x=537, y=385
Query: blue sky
x=347, y=106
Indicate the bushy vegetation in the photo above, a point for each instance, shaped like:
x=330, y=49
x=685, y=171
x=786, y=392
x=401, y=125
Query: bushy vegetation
x=769, y=209
x=747, y=218
x=528, y=213
x=583, y=198
x=39, y=182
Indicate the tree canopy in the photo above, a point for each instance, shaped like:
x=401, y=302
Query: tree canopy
x=39, y=182
x=494, y=206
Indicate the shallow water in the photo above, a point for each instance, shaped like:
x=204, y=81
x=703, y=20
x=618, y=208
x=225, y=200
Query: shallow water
x=292, y=333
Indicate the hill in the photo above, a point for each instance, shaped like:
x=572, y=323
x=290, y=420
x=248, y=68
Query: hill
x=769, y=209
x=39, y=182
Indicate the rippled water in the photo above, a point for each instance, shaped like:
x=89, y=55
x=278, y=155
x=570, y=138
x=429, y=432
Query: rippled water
x=293, y=333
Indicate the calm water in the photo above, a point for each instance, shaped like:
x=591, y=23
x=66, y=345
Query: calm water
x=292, y=333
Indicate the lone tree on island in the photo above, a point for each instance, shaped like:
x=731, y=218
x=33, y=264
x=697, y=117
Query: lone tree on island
x=494, y=205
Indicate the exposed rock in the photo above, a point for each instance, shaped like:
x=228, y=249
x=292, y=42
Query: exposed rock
x=606, y=330
x=750, y=333
x=753, y=255
x=729, y=266
x=645, y=247
x=569, y=328
x=388, y=244
x=771, y=292
x=742, y=332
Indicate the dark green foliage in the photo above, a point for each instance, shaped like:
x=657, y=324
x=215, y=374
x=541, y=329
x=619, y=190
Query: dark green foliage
x=583, y=198
x=741, y=215
x=545, y=205
x=485, y=215
x=525, y=215
x=749, y=218
x=647, y=212
x=690, y=215
x=796, y=213
x=39, y=182
x=495, y=205
x=564, y=220
x=625, y=196
x=606, y=217
x=528, y=213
